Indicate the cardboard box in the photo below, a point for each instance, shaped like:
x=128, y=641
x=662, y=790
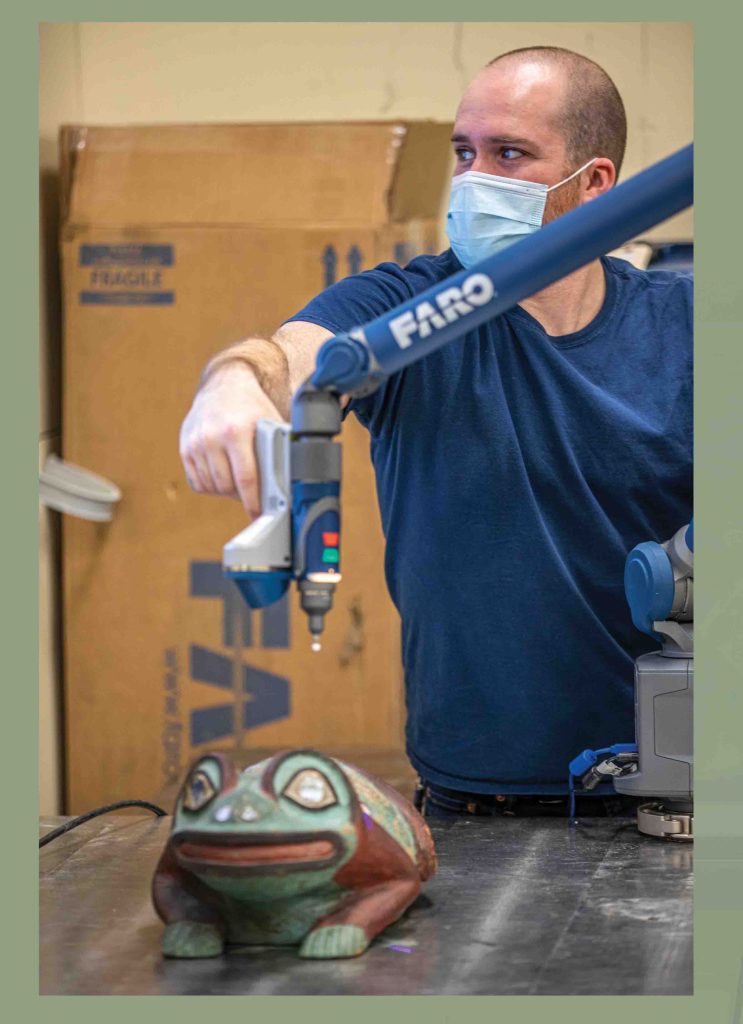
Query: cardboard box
x=177, y=241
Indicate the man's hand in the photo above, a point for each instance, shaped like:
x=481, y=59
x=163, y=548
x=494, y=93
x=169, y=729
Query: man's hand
x=217, y=441
x=218, y=434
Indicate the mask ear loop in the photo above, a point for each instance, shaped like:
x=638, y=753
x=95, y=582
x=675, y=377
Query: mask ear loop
x=574, y=174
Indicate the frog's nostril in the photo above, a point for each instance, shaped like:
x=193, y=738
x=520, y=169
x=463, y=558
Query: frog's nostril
x=241, y=811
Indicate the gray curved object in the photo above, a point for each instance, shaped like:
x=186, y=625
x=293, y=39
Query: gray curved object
x=67, y=488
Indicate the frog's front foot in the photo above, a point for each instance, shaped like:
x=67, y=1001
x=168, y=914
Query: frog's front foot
x=334, y=940
x=192, y=939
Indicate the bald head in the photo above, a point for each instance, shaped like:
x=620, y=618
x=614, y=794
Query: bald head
x=585, y=107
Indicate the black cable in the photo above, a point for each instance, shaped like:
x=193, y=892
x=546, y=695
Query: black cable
x=74, y=822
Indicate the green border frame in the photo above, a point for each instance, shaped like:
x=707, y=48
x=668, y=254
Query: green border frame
x=718, y=997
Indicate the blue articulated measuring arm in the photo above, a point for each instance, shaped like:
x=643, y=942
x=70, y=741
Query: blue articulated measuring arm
x=298, y=534
x=355, y=362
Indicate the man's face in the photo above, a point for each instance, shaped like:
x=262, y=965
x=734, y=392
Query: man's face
x=508, y=124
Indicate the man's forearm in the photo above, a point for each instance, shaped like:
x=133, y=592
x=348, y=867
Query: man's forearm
x=268, y=362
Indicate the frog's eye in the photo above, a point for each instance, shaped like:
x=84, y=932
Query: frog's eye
x=198, y=792
x=310, y=789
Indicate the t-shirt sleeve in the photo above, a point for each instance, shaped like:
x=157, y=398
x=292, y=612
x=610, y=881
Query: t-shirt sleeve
x=355, y=301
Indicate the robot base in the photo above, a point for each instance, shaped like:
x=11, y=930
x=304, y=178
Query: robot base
x=664, y=822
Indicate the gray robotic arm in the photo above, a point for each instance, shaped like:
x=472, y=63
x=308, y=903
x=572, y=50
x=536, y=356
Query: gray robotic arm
x=659, y=585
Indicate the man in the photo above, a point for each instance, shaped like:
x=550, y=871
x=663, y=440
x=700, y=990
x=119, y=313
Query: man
x=516, y=466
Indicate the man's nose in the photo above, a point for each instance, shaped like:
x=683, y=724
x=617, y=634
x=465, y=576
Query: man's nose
x=485, y=165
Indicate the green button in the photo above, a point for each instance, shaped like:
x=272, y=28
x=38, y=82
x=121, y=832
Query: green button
x=330, y=555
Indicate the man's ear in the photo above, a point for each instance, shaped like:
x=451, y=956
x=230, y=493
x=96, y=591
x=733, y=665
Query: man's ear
x=600, y=177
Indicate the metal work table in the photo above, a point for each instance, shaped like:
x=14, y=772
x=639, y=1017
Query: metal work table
x=519, y=906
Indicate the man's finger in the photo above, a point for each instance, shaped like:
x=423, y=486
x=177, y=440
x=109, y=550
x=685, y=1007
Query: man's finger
x=221, y=472
x=198, y=473
x=191, y=475
x=245, y=477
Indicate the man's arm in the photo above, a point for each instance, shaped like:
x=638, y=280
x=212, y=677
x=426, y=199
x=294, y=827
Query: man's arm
x=249, y=381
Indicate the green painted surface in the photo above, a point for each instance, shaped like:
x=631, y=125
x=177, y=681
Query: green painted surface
x=383, y=811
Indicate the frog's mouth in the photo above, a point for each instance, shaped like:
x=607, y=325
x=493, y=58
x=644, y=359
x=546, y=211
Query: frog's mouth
x=262, y=853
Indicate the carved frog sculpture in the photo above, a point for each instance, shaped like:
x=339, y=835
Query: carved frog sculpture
x=297, y=849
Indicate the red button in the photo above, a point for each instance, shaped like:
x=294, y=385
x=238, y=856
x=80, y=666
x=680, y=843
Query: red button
x=330, y=540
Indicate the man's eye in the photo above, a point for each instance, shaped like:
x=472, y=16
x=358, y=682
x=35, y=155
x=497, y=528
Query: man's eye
x=464, y=154
x=511, y=153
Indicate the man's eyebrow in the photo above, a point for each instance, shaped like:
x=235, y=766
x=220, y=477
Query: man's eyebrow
x=504, y=139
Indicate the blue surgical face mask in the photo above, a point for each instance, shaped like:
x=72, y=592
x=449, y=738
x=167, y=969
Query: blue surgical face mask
x=487, y=213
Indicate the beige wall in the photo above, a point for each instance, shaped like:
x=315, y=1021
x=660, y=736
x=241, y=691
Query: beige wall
x=116, y=73
x=50, y=752
x=59, y=101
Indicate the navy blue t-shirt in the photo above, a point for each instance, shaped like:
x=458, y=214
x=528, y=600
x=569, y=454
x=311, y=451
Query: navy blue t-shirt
x=514, y=472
